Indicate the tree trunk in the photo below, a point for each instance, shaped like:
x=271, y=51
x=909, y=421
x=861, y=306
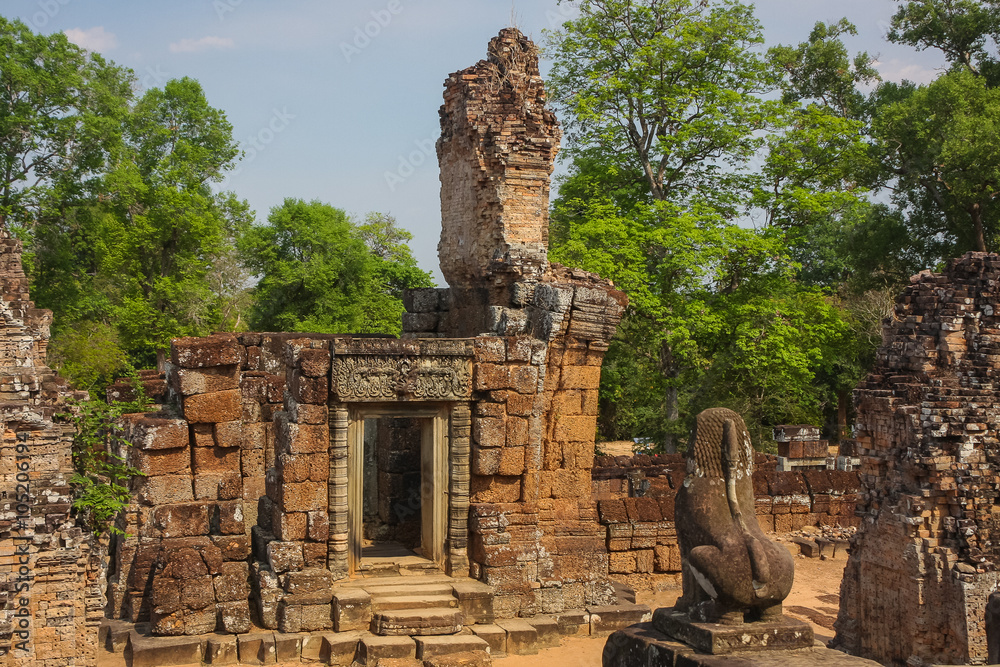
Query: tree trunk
x=976, y=212
x=668, y=367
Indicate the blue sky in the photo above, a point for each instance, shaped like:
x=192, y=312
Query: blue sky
x=338, y=100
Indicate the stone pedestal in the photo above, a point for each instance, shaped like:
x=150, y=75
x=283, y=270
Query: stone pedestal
x=780, y=634
x=642, y=644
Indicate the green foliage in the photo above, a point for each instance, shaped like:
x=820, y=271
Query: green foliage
x=60, y=110
x=153, y=250
x=666, y=106
x=941, y=148
x=670, y=90
x=320, y=272
x=88, y=355
x=960, y=29
x=101, y=474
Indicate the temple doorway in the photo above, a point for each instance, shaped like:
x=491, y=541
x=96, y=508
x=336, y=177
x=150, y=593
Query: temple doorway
x=398, y=488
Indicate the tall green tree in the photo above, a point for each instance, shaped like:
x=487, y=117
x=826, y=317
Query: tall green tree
x=959, y=29
x=320, y=272
x=141, y=253
x=671, y=91
x=61, y=110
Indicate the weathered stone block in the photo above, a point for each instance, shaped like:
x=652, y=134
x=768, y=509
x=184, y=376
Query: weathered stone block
x=314, y=554
x=495, y=489
x=190, y=381
x=309, y=389
x=253, y=436
x=220, y=406
x=215, y=460
x=217, y=350
x=284, y=556
x=314, y=363
x=318, y=526
x=232, y=583
x=302, y=438
x=489, y=431
x=578, y=428
x=306, y=413
x=228, y=434
x=288, y=526
x=304, y=467
x=155, y=433
x=308, y=587
x=511, y=461
x=203, y=435
x=197, y=592
x=352, y=610
x=161, y=461
x=229, y=518
x=302, y=496
x=182, y=520
x=163, y=489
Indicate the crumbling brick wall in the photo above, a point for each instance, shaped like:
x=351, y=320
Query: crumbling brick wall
x=925, y=557
x=541, y=334
x=183, y=565
x=635, y=504
x=496, y=151
x=51, y=571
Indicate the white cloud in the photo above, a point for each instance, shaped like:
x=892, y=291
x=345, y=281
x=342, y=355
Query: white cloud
x=92, y=39
x=188, y=45
x=899, y=70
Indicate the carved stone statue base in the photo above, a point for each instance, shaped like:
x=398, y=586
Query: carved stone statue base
x=717, y=639
x=642, y=645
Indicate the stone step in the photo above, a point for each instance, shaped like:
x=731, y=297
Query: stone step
x=379, y=592
x=413, y=601
x=432, y=647
x=163, y=651
x=426, y=621
x=399, y=580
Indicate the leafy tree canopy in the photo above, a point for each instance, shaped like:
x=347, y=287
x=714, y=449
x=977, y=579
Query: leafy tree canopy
x=320, y=272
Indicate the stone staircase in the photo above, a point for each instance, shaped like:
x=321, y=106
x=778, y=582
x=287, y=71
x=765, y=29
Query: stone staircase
x=418, y=605
x=130, y=645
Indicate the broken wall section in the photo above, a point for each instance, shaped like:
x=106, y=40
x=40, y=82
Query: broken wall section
x=496, y=151
x=540, y=332
x=927, y=552
x=184, y=563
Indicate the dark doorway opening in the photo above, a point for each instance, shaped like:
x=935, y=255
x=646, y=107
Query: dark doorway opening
x=392, y=524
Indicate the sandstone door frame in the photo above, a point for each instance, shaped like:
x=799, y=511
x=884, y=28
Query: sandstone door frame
x=434, y=476
x=450, y=435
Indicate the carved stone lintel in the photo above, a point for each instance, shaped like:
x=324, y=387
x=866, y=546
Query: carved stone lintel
x=390, y=378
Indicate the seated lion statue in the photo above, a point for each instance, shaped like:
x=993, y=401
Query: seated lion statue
x=731, y=572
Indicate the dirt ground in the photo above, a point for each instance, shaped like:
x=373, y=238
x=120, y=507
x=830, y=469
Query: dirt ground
x=815, y=598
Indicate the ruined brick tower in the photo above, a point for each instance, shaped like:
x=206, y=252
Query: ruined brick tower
x=928, y=549
x=284, y=469
x=497, y=147
x=50, y=570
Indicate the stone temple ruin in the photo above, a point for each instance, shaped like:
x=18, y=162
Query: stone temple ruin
x=292, y=479
x=927, y=431
x=339, y=498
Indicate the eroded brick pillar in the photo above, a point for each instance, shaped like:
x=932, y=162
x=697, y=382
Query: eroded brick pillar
x=497, y=147
x=926, y=554
x=541, y=332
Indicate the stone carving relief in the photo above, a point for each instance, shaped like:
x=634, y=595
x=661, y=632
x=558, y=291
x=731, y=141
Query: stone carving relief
x=380, y=378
